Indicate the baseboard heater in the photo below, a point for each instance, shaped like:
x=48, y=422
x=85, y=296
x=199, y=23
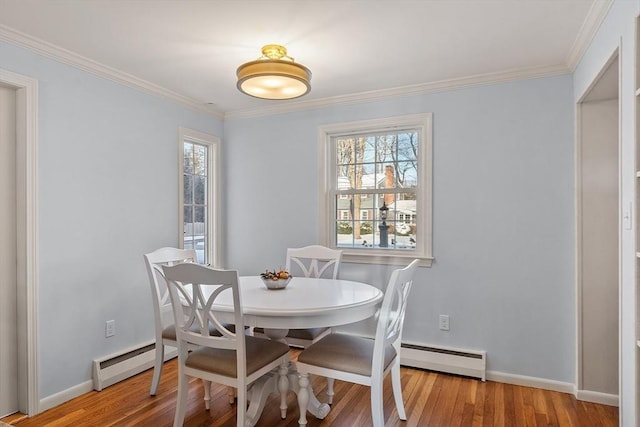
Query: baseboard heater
x=120, y=366
x=470, y=363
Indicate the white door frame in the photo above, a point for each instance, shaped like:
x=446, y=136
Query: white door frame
x=27, y=236
x=579, y=392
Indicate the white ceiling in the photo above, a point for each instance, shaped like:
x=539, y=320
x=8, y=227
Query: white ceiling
x=189, y=49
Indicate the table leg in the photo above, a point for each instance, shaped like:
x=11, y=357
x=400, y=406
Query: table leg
x=317, y=409
x=258, y=394
x=262, y=388
x=270, y=383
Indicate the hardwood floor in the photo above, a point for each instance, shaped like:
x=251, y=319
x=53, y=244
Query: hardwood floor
x=431, y=399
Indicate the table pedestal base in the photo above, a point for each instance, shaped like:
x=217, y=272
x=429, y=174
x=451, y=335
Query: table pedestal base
x=262, y=388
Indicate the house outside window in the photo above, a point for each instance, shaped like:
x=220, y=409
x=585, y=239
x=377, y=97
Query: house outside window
x=199, y=216
x=374, y=164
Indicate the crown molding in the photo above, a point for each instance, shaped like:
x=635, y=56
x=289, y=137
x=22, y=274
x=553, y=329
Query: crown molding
x=64, y=56
x=594, y=18
x=590, y=26
x=419, y=89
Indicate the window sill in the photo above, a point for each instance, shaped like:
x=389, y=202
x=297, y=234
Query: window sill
x=385, y=259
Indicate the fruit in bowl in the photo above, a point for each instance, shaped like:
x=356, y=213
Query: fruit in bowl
x=276, y=279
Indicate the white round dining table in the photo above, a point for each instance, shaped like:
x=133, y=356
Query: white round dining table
x=304, y=303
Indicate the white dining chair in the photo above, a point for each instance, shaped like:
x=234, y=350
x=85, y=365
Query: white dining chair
x=311, y=261
x=363, y=360
x=233, y=359
x=165, y=332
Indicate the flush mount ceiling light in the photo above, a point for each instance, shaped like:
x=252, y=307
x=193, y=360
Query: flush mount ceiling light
x=274, y=75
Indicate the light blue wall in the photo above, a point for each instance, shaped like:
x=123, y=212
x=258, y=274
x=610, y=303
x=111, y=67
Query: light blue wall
x=503, y=215
x=108, y=166
x=618, y=34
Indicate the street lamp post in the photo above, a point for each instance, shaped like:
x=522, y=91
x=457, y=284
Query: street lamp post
x=383, y=228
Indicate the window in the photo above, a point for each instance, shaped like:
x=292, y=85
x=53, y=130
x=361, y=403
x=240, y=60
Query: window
x=199, y=217
x=379, y=172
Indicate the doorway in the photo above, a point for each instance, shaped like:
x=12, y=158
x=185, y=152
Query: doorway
x=598, y=238
x=24, y=92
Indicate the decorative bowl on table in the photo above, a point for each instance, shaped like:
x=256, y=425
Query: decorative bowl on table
x=275, y=279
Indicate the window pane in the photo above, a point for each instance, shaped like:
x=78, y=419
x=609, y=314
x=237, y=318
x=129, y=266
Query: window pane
x=188, y=158
x=366, y=173
x=344, y=231
x=367, y=234
x=345, y=151
x=188, y=242
x=369, y=150
x=387, y=178
x=344, y=207
x=407, y=174
x=199, y=216
x=200, y=232
x=385, y=147
x=188, y=228
x=407, y=146
x=188, y=220
x=188, y=189
x=200, y=190
x=200, y=160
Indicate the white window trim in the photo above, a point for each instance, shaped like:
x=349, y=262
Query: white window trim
x=214, y=224
x=326, y=203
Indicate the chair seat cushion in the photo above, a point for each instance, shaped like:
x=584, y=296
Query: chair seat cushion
x=223, y=362
x=169, y=333
x=344, y=353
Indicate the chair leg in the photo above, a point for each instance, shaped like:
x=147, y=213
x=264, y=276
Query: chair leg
x=183, y=389
x=207, y=394
x=157, y=368
x=330, y=390
x=397, y=390
x=241, y=407
x=303, y=398
x=377, y=409
x=231, y=395
x=283, y=387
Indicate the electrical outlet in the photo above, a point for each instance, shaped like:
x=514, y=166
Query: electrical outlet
x=110, y=328
x=444, y=322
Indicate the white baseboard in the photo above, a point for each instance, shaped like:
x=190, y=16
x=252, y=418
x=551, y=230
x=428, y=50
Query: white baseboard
x=65, y=395
x=82, y=388
x=597, y=397
x=585, y=395
x=559, y=386
x=531, y=382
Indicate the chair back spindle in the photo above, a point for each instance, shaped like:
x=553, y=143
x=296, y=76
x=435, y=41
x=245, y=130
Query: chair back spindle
x=314, y=261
